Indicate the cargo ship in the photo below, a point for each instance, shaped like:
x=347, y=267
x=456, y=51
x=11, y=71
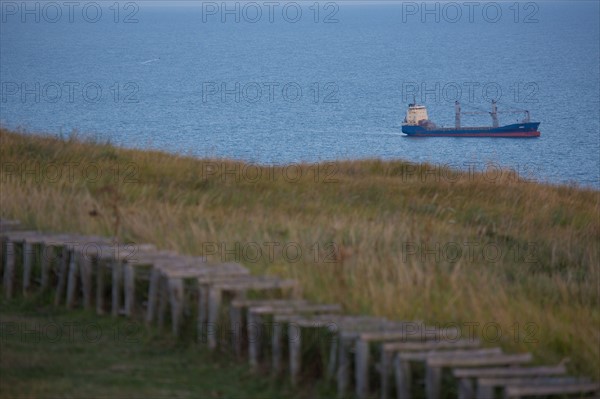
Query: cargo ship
x=417, y=124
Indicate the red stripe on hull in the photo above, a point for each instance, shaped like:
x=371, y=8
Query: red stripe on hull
x=502, y=134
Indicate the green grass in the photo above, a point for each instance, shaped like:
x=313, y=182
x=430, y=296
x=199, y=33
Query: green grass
x=54, y=353
x=364, y=229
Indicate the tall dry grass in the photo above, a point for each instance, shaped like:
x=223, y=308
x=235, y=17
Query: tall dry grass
x=389, y=238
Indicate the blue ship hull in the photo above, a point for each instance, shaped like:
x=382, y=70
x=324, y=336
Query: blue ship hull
x=529, y=129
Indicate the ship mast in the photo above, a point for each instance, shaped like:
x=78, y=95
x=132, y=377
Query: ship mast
x=494, y=114
x=457, y=114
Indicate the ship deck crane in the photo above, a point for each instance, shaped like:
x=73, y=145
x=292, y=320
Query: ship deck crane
x=494, y=114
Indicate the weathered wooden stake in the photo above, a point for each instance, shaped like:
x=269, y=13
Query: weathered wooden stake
x=343, y=372
x=276, y=348
x=403, y=377
x=386, y=365
x=254, y=338
x=72, y=280
x=129, y=286
x=117, y=273
x=332, y=359
x=27, y=266
x=45, y=265
x=9, y=270
x=63, y=268
x=214, y=305
x=100, y=286
x=295, y=349
x=235, y=317
x=3, y=242
x=361, y=368
x=202, y=311
x=153, y=289
x=163, y=301
x=485, y=392
x=175, y=286
x=466, y=388
x=433, y=381
x=86, y=280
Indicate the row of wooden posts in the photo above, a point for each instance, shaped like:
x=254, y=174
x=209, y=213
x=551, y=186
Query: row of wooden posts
x=266, y=320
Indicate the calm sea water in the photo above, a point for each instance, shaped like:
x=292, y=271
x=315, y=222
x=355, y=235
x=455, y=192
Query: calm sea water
x=279, y=87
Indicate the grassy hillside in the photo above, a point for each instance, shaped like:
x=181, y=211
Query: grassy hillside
x=53, y=353
x=389, y=238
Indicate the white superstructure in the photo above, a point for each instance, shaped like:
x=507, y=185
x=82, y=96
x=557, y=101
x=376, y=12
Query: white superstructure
x=415, y=114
